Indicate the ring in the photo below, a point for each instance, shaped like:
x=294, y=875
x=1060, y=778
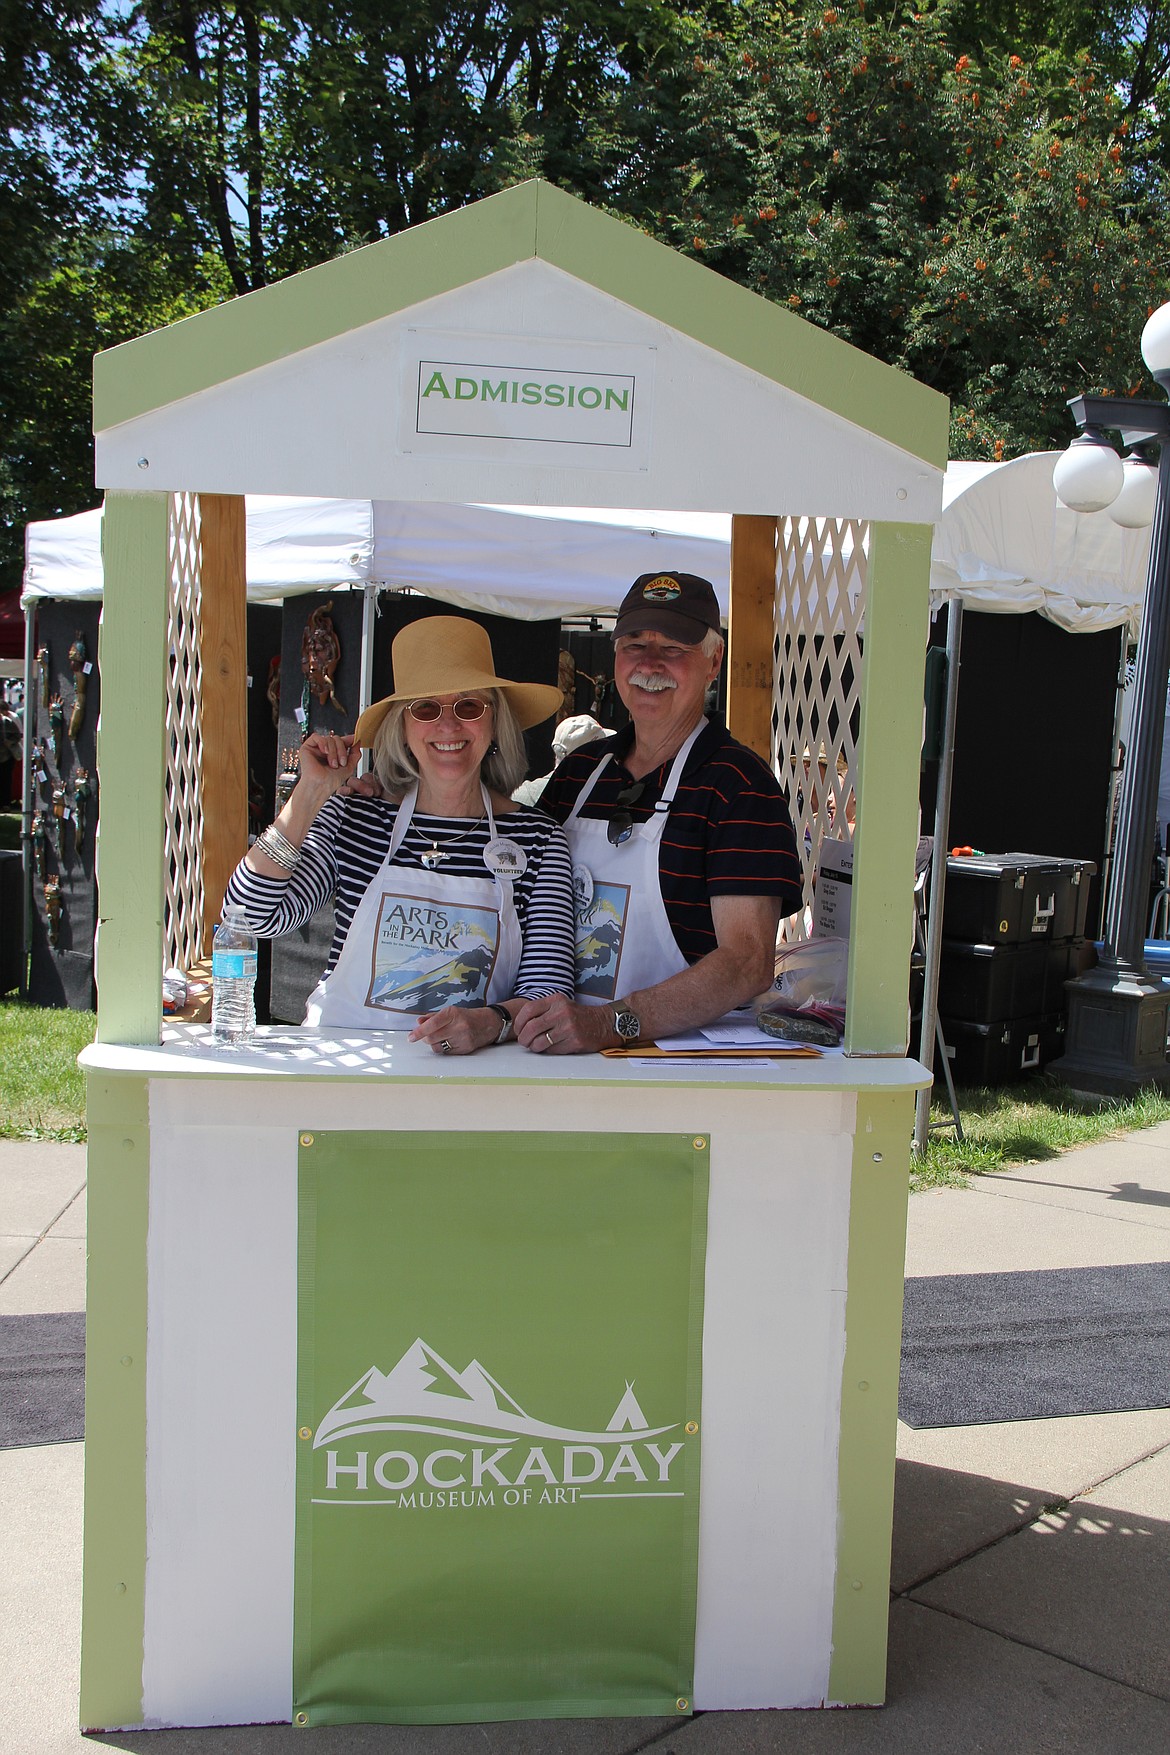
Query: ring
x=444, y=1048
x=548, y=1037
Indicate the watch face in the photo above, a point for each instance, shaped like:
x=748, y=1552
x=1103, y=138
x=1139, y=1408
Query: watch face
x=626, y=1024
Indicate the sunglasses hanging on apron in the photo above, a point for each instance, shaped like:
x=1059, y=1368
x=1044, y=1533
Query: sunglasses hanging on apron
x=420, y=940
x=624, y=941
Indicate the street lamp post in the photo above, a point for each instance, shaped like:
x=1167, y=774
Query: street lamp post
x=1117, y=1014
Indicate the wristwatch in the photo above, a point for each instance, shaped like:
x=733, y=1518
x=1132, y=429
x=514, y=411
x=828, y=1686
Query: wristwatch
x=627, y=1023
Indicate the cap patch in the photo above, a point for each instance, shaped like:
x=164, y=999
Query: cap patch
x=662, y=590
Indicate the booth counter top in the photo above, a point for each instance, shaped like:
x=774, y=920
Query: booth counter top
x=190, y=1051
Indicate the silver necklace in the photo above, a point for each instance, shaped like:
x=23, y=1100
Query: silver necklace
x=436, y=854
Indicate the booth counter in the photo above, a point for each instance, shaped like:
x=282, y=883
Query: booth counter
x=507, y=1387
x=516, y=1386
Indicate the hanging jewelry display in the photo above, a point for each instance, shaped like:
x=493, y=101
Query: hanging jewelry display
x=43, y=674
x=60, y=811
x=56, y=726
x=290, y=773
x=567, y=683
x=40, y=768
x=602, y=689
x=53, y=909
x=273, y=689
x=320, y=656
x=37, y=832
x=78, y=664
x=82, y=793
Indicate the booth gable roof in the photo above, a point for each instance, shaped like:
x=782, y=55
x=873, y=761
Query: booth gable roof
x=531, y=220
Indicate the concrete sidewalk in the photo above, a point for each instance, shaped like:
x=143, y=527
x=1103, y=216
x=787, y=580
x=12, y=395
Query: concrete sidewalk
x=1030, y=1559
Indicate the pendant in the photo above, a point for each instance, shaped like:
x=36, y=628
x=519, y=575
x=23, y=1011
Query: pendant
x=432, y=858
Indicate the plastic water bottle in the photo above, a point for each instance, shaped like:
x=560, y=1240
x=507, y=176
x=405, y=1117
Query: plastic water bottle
x=233, y=978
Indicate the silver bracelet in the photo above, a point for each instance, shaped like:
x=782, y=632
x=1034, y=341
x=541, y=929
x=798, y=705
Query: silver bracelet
x=279, y=849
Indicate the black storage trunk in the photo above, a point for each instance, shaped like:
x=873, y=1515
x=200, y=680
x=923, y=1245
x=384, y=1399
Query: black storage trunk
x=1015, y=898
x=986, y=983
x=995, y=1054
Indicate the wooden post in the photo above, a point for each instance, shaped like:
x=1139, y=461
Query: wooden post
x=224, y=650
x=751, y=631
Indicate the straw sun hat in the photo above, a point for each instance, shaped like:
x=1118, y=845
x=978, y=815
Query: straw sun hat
x=450, y=655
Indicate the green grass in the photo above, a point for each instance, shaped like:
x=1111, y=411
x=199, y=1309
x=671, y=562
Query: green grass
x=42, y=1089
x=42, y=1096
x=10, y=831
x=1025, y=1124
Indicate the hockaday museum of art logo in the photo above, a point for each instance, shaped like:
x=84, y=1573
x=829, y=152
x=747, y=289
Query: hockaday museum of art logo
x=379, y=1445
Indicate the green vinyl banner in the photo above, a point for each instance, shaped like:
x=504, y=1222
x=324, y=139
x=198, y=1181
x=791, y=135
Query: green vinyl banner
x=499, y=1353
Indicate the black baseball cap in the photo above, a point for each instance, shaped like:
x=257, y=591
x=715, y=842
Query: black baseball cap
x=680, y=605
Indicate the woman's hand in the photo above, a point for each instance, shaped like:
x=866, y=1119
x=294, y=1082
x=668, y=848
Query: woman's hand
x=457, y=1029
x=329, y=763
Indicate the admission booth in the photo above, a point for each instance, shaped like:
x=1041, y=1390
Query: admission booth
x=504, y=1387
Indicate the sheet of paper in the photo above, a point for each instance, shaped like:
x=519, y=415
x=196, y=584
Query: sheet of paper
x=733, y=1033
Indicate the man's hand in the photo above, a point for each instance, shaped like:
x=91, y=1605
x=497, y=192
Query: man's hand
x=555, y=1024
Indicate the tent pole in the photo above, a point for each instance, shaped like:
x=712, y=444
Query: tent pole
x=26, y=798
x=366, y=685
x=938, y=875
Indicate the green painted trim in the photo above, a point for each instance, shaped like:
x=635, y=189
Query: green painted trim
x=897, y=613
x=131, y=761
x=314, y=306
x=869, y=1398
x=615, y=257
x=534, y=218
x=114, y=1567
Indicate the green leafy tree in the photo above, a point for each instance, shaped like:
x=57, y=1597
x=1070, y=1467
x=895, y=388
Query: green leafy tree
x=975, y=223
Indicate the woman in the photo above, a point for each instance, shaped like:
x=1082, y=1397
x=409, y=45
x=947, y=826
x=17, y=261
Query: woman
x=447, y=919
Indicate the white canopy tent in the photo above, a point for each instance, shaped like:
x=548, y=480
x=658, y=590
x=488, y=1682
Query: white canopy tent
x=1003, y=544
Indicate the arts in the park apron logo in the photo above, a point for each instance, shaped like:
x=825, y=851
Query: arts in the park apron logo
x=426, y=1436
x=426, y=953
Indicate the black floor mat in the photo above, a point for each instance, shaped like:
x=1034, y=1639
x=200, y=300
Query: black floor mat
x=1026, y=1346
x=42, y=1379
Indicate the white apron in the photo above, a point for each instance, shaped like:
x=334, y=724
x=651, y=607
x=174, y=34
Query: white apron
x=419, y=940
x=624, y=941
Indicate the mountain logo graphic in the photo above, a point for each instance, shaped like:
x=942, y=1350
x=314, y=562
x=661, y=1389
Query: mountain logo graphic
x=423, y=1393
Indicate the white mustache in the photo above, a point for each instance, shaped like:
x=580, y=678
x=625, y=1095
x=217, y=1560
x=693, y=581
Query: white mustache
x=653, y=681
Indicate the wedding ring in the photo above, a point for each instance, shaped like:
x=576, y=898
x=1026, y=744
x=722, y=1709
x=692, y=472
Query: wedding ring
x=548, y=1037
x=444, y=1048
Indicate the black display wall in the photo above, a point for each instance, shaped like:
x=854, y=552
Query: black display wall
x=61, y=974
x=523, y=651
x=1033, y=739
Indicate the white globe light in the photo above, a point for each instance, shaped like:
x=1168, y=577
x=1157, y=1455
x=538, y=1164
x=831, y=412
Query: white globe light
x=1133, y=508
x=1088, y=477
x=1156, y=342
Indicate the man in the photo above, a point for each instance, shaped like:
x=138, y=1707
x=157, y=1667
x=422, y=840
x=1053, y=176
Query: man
x=683, y=852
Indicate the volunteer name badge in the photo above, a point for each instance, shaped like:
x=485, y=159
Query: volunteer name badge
x=505, y=857
x=582, y=890
x=430, y=954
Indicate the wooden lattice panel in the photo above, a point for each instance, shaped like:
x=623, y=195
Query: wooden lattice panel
x=816, y=704
x=183, y=837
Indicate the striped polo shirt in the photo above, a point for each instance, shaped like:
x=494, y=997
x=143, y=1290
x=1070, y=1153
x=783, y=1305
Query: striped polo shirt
x=728, y=832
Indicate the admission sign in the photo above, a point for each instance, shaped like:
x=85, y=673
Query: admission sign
x=498, y=1440
x=591, y=402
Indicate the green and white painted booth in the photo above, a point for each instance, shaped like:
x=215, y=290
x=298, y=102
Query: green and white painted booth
x=514, y=1386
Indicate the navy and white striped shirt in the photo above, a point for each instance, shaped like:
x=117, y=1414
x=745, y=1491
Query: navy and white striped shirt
x=349, y=841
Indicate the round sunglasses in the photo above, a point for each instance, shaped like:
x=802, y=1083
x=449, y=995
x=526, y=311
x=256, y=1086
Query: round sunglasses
x=466, y=708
